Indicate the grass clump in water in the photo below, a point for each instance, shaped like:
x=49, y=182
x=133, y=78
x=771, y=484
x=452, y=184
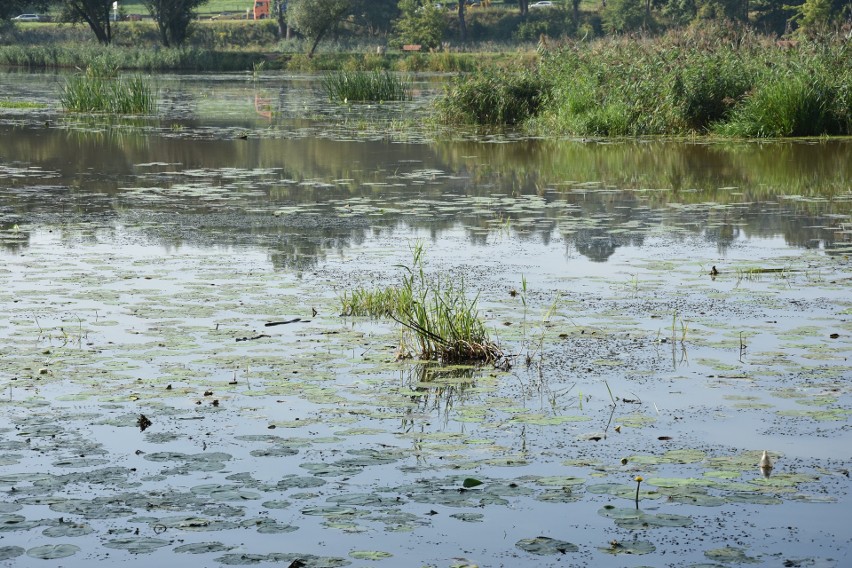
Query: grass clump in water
x=100, y=89
x=364, y=86
x=800, y=105
x=444, y=323
x=493, y=98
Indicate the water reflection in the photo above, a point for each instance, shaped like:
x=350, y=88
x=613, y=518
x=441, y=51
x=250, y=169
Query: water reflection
x=196, y=180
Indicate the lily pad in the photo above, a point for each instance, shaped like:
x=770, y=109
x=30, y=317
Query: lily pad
x=67, y=530
x=730, y=555
x=201, y=548
x=137, y=545
x=546, y=546
x=53, y=551
x=637, y=519
x=634, y=547
x=370, y=554
x=469, y=517
x=9, y=552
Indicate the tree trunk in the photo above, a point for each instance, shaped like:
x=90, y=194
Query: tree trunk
x=524, y=5
x=281, y=19
x=316, y=42
x=462, y=25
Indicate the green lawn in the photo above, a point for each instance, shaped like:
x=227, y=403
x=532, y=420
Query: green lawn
x=205, y=10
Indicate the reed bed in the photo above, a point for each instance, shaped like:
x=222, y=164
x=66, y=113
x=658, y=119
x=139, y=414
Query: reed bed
x=137, y=58
x=101, y=90
x=366, y=86
x=721, y=81
x=493, y=98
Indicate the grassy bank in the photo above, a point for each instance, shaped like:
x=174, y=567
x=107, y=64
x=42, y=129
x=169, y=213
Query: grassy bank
x=71, y=56
x=722, y=81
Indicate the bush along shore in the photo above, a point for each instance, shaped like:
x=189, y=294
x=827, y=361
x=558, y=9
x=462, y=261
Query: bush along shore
x=723, y=81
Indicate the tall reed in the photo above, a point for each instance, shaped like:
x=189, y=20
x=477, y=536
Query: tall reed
x=724, y=80
x=101, y=90
x=363, y=86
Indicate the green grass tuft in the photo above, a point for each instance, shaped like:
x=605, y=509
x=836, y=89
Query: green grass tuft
x=100, y=90
x=493, y=98
x=363, y=86
x=444, y=323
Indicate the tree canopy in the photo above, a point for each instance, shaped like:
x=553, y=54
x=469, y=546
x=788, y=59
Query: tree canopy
x=315, y=18
x=95, y=13
x=173, y=18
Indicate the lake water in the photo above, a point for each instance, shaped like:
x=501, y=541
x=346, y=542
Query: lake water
x=669, y=309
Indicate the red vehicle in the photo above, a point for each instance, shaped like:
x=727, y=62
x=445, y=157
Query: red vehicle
x=261, y=9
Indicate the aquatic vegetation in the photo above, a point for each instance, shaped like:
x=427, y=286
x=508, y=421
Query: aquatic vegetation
x=444, y=322
x=681, y=83
x=638, y=479
x=493, y=98
x=195, y=239
x=803, y=104
x=364, y=86
x=100, y=90
x=80, y=54
x=21, y=104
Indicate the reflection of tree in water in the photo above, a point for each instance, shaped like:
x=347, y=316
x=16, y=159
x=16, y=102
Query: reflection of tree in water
x=338, y=193
x=599, y=244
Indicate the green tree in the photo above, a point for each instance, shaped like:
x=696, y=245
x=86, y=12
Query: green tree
x=173, y=18
x=315, y=18
x=722, y=10
x=680, y=12
x=818, y=15
x=621, y=16
x=773, y=16
x=462, y=24
x=279, y=13
x=95, y=13
x=375, y=16
x=421, y=23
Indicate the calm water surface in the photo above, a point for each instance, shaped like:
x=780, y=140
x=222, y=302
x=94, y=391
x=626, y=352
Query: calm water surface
x=143, y=256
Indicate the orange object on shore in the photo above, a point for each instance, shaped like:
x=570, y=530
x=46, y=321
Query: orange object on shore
x=261, y=9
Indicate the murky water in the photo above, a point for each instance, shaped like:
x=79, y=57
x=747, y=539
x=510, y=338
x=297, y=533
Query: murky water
x=142, y=259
